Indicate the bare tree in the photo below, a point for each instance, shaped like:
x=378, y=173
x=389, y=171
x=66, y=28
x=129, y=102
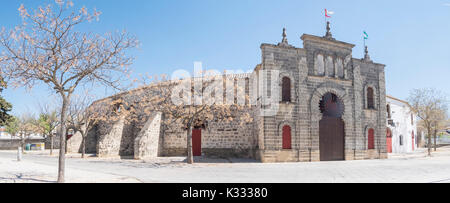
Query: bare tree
x=83, y=117
x=431, y=107
x=439, y=124
x=46, y=48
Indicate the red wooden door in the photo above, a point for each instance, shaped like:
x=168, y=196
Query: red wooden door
x=371, y=139
x=287, y=138
x=197, y=142
x=389, y=140
x=413, y=137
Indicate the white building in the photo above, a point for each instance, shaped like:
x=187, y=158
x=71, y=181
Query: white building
x=4, y=134
x=401, y=130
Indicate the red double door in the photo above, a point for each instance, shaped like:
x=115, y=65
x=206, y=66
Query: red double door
x=197, y=142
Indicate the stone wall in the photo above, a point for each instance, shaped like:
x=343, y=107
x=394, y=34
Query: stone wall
x=48, y=140
x=74, y=143
x=91, y=141
x=13, y=144
x=109, y=138
x=289, y=62
x=372, y=75
x=219, y=139
x=146, y=144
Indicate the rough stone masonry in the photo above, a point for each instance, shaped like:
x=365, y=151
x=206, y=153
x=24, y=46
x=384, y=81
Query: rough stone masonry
x=331, y=107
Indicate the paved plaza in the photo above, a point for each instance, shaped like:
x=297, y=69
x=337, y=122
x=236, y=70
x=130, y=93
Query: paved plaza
x=414, y=167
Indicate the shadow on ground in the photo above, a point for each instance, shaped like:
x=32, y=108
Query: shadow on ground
x=19, y=178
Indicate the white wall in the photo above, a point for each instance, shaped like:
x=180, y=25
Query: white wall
x=4, y=135
x=401, y=114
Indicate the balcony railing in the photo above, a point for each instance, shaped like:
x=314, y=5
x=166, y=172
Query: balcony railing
x=391, y=122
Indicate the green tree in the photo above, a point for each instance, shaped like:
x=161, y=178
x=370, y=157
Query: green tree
x=47, y=123
x=5, y=106
x=13, y=125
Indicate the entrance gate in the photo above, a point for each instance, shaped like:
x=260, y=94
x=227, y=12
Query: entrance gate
x=332, y=129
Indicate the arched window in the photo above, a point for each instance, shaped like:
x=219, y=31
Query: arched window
x=286, y=92
x=388, y=108
x=287, y=138
x=370, y=98
x=331, y=106
x=371, y=139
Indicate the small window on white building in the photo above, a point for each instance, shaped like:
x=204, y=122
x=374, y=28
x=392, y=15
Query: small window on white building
x=401, y=140
x=388, y=108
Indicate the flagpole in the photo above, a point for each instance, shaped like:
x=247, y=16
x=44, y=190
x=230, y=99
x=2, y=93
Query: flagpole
x=364, y=39
x=364, y=43
x=364, y=48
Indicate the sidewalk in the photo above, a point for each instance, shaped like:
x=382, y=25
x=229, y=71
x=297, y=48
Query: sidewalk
x=12, y=171
x=422, y=152
x=410, y=167
x=46, y=153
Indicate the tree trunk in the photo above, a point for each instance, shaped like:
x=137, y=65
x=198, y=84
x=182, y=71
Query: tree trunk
x=19, y=153
x=190, y=156
x=435, y=135
x=65, y=150
x=51, y=145
x=22, y=144
x=83, y=146
x=62, y=147
x=429, y=142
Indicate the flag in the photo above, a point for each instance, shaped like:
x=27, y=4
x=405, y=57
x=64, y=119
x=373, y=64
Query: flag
x=366, y=36
x=328, y=13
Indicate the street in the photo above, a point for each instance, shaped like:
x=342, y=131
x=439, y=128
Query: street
x=412, y=168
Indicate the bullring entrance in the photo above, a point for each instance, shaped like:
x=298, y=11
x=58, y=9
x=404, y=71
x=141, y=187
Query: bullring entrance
x=332, y=133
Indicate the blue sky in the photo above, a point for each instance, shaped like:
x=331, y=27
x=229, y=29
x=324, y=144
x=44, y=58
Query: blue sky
x=410, y=37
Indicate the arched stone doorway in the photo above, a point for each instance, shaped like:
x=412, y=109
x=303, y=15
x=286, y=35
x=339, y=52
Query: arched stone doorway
x=331, y=129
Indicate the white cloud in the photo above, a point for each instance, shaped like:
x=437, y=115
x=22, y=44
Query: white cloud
x=446, y=4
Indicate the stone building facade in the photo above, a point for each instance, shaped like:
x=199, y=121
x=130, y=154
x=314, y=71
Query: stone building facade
x=330, y=106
